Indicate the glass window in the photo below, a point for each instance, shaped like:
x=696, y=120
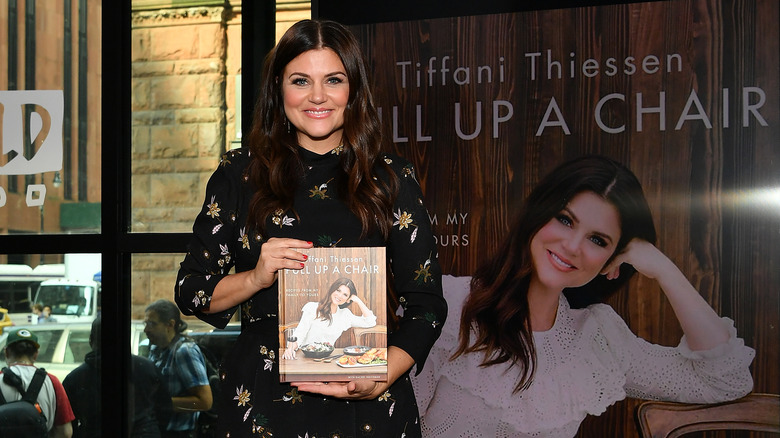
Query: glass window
x=50, y=117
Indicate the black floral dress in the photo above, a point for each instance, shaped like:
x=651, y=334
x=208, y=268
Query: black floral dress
x=254, y=403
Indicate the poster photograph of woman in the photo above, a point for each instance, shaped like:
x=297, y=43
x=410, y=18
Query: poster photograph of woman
x=682, y=95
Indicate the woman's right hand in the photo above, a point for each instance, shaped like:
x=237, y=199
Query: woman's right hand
x=275, y=254
x=289, y=352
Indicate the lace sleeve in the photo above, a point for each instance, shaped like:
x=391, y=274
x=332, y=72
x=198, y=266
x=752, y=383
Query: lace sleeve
x=678, y=373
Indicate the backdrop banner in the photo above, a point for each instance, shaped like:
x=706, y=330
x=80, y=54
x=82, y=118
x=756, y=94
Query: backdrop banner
x=685, y=93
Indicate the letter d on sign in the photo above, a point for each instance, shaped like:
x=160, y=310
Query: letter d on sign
x=40, y=113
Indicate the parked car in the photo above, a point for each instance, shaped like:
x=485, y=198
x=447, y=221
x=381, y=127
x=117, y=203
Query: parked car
x=216, y=342
x=64, y=345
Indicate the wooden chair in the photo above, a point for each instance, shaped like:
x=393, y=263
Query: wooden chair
x=360, y=332
x=754, y=412
x=283, y=331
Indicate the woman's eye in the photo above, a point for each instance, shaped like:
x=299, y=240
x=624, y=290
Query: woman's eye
x=299, y=81
x=598, y=241
x=566, y=220
x=334, y=80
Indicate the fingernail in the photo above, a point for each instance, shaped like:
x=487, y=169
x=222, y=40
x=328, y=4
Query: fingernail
x=301, y=265
x=305, y=257
x=309, y=243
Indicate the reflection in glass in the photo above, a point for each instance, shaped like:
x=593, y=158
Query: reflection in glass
x=50, y=119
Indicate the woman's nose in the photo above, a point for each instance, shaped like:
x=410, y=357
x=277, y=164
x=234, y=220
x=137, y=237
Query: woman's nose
x=317, y=94
x=572, y=243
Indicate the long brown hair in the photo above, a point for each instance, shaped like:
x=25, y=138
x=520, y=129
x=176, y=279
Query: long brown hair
x=276, y=167
x=496, y=312
x=323, y=308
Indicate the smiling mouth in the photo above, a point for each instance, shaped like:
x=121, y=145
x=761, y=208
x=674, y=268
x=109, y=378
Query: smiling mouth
x=317, y=112
x=559, y=262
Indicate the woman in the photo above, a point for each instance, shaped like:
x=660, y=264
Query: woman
x=526, y=362
x=313, y=175
x=326, y=320
x=182, y=366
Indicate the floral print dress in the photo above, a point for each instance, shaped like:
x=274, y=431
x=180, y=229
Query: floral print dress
x=255, y=403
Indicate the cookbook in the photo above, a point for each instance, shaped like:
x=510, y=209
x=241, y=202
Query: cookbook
x=333, y=316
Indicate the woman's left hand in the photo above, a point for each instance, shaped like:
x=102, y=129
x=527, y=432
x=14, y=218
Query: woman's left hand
x=701, y=325
x=643, y=256
x=354, y=390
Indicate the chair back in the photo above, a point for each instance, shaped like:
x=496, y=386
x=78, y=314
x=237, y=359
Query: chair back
x=754, y=412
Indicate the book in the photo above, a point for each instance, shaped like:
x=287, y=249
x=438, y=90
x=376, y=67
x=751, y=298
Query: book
x=333, y=316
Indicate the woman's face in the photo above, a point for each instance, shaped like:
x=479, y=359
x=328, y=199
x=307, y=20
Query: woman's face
x=340, y=295
x=316, y=91
x=573, y=247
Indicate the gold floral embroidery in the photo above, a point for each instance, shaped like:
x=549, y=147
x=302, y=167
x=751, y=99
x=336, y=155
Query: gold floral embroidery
x=243, y=238
x=404, y=220
x=280, y=221
x=242, y=395
x=213, y=208
x=320, y=192
x=423, y=274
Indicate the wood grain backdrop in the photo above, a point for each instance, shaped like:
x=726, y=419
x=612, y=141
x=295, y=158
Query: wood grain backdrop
x=708, y=163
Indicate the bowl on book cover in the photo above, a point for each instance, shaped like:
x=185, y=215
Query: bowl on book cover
x=356, y=350
x=317, y=350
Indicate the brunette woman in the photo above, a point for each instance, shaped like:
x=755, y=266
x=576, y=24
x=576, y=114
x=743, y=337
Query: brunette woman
x=535, y=352
x=313, y=174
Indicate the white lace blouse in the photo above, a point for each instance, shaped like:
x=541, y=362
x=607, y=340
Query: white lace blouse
x=313, y=329
x=586, y=362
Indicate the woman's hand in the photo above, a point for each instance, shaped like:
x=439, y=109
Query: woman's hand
x=275, y=254
x=399, y=362
x=644, y=257
x=701, y=325
x=364, y=310
x=354, y=390
x=289, y=352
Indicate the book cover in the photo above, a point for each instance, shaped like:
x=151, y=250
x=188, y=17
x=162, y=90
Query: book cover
x=333, y=316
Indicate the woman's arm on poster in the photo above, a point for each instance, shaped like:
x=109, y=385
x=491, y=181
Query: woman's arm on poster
x=703, y=327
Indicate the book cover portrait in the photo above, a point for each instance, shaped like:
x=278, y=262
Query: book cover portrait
x=332, y=316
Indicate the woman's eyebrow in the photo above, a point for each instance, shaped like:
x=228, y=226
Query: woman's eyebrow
x=571, y=213
x=306, y=75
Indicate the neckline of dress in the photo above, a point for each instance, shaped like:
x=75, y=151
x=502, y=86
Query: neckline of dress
x=313, y=158
x=562, y=305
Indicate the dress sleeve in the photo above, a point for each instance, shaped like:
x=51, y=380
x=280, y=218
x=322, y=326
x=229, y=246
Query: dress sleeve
x=212, y=248
x=677, y=373
x=415, y=269
x=362, y=321
x=308, y=314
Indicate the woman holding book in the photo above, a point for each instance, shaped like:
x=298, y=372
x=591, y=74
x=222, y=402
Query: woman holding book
x=536, y=352
x=326, y=320
x=313, y=174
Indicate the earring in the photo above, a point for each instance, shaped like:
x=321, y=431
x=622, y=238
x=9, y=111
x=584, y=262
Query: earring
x=288, y=126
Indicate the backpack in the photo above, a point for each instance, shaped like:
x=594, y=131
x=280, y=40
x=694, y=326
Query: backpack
x=207, y=420
x=23, y=418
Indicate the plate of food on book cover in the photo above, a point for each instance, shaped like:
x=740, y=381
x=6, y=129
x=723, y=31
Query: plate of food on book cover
x=372, y=357
x=356, y=350
x=317, y=349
